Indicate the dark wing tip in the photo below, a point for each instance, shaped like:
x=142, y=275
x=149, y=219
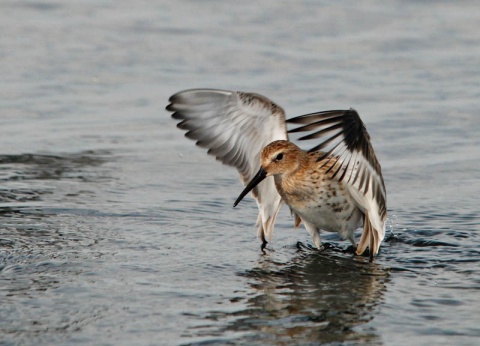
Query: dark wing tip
x=356, y=135
x=172, y=99
x=178, y=116
x=335, y=123
x=311, y=117
x=176, y=98
x=172, y=102
x=347, y=122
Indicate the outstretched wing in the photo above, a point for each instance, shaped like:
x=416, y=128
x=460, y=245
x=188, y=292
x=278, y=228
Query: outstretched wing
x=235, y=127
x=351, y=158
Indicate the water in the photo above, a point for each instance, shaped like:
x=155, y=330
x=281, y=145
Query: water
x=115, y=230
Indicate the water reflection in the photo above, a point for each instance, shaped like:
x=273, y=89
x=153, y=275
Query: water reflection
x=312, y=298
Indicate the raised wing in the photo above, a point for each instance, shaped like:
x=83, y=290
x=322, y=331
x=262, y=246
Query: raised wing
x=234, y=127
x=346, y=146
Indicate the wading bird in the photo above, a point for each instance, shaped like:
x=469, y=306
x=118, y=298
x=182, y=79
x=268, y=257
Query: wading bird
x=334, y=186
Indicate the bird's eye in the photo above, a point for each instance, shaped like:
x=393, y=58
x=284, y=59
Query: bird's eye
x=279, y=157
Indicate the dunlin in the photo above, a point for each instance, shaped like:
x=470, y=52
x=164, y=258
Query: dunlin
x=333, y=187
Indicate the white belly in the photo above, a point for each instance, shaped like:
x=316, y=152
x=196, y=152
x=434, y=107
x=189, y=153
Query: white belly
x=327, y=208
x=332, y=217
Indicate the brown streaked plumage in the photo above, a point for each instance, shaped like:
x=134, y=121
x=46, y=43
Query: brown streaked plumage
x=332, y=187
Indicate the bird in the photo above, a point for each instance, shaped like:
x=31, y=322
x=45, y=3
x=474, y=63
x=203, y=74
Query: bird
x=335, y=186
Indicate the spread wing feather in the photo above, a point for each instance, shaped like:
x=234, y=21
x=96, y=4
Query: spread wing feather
x=350, y=156
x=235, y=127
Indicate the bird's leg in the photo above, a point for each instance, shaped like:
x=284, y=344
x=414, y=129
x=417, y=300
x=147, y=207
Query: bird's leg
x=351, y=238
x=261, y=234
x=353, y=247
x=315, y=234
x=264, y=244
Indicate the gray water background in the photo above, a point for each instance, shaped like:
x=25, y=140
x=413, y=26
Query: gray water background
x=116, y=230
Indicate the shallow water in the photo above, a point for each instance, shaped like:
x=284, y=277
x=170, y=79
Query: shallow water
x=114, y=229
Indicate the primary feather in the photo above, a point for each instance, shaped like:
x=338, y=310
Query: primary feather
x=347, y=145
x=235, y=127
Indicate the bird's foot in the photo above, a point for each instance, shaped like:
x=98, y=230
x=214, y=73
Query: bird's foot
x=328, y=246
x=351, y=250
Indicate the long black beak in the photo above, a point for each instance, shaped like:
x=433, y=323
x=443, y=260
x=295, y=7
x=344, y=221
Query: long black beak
x=261, y=174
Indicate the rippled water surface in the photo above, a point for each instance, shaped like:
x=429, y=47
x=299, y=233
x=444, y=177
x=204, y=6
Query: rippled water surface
x=116, y=230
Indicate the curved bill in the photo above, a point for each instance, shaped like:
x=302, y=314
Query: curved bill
x=261, y=174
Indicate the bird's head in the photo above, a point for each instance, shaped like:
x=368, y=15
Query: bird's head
x=276, y=159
